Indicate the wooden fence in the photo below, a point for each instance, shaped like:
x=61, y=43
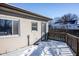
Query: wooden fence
x=70, y=39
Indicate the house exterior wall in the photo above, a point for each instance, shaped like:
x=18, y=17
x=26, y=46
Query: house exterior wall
x=12, y=42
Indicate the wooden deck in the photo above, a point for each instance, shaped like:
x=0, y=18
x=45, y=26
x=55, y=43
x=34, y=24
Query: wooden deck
x=71, y=40
x=49, y=48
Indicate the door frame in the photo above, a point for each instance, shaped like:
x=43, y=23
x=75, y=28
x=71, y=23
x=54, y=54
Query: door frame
x=42, y=29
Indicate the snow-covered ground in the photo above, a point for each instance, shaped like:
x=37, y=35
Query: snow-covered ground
x=48, y=48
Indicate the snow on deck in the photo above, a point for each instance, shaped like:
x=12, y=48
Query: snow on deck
x=48, y=48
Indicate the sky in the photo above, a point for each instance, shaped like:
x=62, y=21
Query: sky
x=51, y=10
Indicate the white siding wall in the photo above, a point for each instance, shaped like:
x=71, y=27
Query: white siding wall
x=13, y=42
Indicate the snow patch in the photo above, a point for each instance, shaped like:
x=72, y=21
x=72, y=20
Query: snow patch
x=48, y=48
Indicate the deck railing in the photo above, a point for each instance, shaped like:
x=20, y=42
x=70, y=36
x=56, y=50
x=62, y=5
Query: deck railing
x=70, y=39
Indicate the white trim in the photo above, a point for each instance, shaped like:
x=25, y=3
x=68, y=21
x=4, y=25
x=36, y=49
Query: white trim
x=34, y=26
x=9, y=17
x=12, y=27
x=8, y=36
x=12, y=35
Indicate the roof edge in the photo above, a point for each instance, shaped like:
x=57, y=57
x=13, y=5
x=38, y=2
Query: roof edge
x=22, y=10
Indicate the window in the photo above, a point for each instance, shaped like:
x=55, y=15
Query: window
x=15, y=27
x=6, y=27
x=34, y=26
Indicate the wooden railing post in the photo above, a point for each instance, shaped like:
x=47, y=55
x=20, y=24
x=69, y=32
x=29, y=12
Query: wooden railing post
x=77, y=54
x=66, y=37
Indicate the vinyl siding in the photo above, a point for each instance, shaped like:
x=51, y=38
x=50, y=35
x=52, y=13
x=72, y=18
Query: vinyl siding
x=12, y=42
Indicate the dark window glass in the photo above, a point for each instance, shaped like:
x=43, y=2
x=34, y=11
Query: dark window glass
x=15, y=27
x=5, y=27
x=8, y=26
x=34, y=26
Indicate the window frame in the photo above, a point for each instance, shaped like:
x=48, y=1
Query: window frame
x=35, y=26
x=12, y=35
x=13, y=27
